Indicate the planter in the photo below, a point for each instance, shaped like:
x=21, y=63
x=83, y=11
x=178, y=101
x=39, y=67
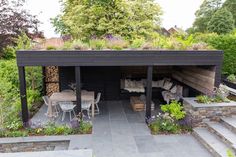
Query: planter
x=200, y=112
x=229, y=84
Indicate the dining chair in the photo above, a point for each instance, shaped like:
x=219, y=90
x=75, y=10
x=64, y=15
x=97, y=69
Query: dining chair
x=67, y=107
x=86, y=105
x=97, y=100
x=54, y=110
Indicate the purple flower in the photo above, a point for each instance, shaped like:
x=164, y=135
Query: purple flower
x=187, y=121
x=74, y=123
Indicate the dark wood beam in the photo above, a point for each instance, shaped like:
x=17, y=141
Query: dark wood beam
x=118, y=58
x=23, y=96
x=149, y=92
x=78, y=89
x=44, y=80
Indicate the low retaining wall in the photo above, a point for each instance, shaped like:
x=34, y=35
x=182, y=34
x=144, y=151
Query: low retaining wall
x=33, y=146
x=199, y=112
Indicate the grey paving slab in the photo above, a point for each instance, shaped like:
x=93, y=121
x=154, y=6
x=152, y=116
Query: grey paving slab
x=67, y=153
x=139, y=129
x=146, y=144
x=80, y=142
x=134, y=118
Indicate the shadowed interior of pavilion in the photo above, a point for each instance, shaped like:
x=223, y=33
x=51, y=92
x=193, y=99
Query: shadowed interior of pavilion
x=118, y=85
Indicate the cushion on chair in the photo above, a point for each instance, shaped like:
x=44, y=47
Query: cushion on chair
x=173, y=89
x=167, y=85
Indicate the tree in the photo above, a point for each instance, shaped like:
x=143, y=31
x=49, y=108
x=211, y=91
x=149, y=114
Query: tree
x=204, y=14
x=87, y=18
x=13, y=21
x=230, y=5
x=222, y=22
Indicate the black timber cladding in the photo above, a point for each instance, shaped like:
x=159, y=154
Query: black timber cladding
x=118, y=58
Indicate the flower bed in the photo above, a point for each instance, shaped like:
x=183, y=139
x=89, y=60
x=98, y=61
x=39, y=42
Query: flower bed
x=78, y=126
x=172, y=120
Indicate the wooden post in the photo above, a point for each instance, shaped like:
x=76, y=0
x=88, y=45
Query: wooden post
x=217, y=75
x=149, y=92
x=78, y=89
x=44, y=80
x=23, y=96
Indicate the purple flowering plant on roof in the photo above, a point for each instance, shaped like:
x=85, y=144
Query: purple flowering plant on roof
x=115, y=42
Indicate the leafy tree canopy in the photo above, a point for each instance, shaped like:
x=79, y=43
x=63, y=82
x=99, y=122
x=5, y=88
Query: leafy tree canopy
x=13, y=21
x=222, y=22
x=127, y=18
x=204, y=14
x=230, y=5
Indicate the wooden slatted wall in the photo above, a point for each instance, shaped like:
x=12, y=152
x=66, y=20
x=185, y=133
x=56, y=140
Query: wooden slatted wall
x=201, y=79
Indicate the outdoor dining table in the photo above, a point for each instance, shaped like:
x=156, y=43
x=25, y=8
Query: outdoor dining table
x=71, y=96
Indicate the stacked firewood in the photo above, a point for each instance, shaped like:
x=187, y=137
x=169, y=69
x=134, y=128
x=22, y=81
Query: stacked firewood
x=51, y=79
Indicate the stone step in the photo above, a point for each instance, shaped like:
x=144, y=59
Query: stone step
x=227, y=136
x=64, y=153
x=230, y=123
x=211, y=142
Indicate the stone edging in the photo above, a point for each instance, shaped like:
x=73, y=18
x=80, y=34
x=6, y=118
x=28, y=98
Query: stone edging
x=194, y=104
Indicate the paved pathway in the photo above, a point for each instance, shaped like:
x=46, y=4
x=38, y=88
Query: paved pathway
x=119, y=131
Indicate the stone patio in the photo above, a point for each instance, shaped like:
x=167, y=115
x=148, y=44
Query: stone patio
x=118, y=131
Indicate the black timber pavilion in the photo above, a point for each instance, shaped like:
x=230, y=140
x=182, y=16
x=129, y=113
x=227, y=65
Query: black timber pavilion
x=108, y=58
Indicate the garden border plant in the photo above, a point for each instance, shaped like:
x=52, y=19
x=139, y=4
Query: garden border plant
x=172, y=120
x=77, y=126
x=219, y=95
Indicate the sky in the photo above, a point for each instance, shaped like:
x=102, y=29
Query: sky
x=176, y=12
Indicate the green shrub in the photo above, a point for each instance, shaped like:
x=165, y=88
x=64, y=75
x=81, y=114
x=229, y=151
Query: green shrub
x=203, y=99
x=227, y=43
x=53, y=129
x=175, y=109
x=117, y=44
x=9, y=93
x=230, y=153
x=14, y=125
x=9, y=52
x=164, y=124
x=207, y=100
x=51, y=48
x=16, y=133
x=231, y=78
x=85, y=127
x=137, y=43
x=67, y=45
x=79, y=45
x=97, y=44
